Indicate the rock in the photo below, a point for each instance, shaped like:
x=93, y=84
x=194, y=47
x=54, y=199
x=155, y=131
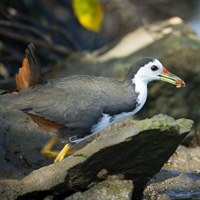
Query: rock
x=156, y=196
x=179, y=160
x=181, y=186
x=135, y=150
x=156, y=9
x=172, y=42
x=112, y=188
x=195, y=142
x=20, y=143
x=179, y=177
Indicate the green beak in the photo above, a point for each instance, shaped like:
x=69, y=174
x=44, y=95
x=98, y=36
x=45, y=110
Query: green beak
x=171, y=78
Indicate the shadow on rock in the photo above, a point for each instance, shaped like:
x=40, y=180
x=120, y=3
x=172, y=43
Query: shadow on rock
x=133, y=151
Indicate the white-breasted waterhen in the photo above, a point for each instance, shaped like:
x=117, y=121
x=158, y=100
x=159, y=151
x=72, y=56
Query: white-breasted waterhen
x=77, y=107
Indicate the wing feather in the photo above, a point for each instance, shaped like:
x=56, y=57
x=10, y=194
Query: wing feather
x=77, y=101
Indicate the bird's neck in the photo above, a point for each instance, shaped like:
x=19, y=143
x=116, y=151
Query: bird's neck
x=140, y=89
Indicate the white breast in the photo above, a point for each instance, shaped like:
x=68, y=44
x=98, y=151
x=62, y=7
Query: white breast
x=105, y=120
x=141, y=89
x=102, y=123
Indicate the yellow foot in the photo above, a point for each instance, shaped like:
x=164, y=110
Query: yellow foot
x=46, y=150
x=59, y=155
x=62, y=153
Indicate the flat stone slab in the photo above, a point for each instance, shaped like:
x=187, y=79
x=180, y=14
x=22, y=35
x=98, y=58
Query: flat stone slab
x=135, y=150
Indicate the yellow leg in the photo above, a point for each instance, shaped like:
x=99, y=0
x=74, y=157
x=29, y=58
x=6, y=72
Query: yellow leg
x=46, y=150
x=59, y=155
x=62, y=153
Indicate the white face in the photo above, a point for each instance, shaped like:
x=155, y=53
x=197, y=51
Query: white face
x=149, y=72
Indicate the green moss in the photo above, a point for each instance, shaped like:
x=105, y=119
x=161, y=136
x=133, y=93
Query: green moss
x=82, y=154
x=185, y=124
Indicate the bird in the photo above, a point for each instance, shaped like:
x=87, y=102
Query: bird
x=77, y=107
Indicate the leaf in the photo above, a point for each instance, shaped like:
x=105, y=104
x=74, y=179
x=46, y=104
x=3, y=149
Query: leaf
x=89, y=13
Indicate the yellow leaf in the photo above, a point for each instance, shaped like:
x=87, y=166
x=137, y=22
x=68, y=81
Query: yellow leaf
x=89, y=13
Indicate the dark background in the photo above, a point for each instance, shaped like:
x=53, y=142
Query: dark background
x=52, y=26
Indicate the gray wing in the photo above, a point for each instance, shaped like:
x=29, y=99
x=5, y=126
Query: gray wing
x=73, y=101
x=65, y=108
x=71, y=105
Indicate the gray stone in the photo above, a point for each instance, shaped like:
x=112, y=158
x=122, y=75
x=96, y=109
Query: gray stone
x=110, y=189
x=179, y=177
x=136, y=150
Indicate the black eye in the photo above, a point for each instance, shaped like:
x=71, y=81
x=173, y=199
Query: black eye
x=154, y=68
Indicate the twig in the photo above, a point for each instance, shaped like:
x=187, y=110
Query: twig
x=62, y=31
x=7, y=84
x=17, y=58
x=26, y=27
x=27, y=39
x=51, y=28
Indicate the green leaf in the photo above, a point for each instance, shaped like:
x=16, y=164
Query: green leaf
x=89, y=13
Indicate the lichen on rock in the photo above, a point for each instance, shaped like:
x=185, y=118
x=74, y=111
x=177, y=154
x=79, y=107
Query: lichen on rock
x=137, y=150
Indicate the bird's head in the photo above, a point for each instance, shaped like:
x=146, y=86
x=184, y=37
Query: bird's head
x=150, y=69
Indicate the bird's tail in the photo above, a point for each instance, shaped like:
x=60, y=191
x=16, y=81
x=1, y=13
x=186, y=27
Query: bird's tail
x=30, y=73
x=28, y=76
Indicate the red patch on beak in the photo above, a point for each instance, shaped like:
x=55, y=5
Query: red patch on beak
x=165, y=71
